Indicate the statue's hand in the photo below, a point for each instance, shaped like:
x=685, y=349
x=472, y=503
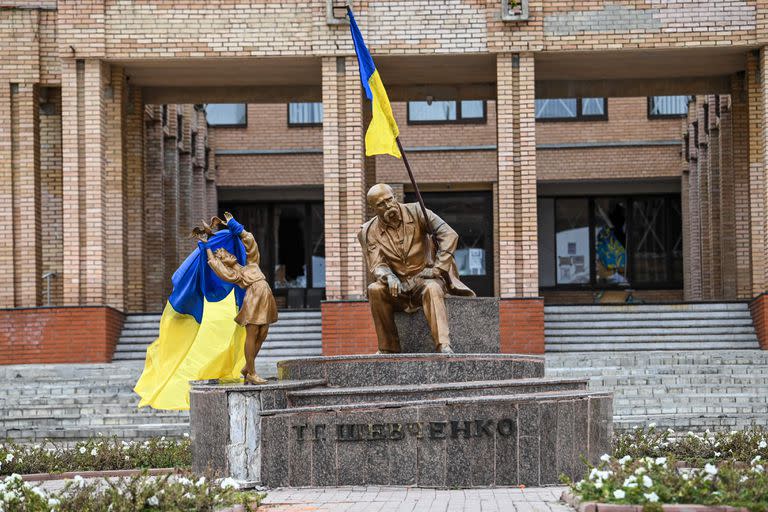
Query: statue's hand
x=394, y=285
x=227, y=217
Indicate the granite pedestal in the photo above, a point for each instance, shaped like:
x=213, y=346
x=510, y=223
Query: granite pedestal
x=461, y=420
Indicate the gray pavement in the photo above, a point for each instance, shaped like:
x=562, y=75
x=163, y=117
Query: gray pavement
x=409, y=499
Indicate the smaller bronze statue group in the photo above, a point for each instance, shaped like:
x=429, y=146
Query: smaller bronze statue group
x=408, y=252
x=258, y=309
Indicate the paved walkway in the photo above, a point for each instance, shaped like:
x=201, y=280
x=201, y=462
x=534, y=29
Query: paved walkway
x=406, y=499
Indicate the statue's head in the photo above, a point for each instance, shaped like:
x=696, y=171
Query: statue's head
x=225, y=257
x=381, y=199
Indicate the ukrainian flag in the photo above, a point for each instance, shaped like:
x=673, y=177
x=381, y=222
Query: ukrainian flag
x=383, y=130
x=199, y=338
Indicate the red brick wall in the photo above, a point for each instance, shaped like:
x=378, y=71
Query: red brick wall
x=521, y=326
x=59, y=335
x=348, y=328
x=759, y=310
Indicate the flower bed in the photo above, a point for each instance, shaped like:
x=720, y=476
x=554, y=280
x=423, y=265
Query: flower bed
x=96, y=454
x=650, y=468
x=145, y=493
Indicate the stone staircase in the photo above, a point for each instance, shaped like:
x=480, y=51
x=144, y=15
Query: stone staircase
x=600, y=327
x=684, y=389
x=69, y=402
x=296, y=334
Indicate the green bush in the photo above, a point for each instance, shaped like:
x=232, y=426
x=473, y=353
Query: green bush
x=140, y=493
x=652, y=481
x=694, y=449
x=96, y=454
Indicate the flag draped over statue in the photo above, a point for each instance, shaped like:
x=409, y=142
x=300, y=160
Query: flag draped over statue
x=198, y=338
x=381, y=137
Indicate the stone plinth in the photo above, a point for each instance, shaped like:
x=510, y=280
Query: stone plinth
x=461, y=420
x=473, y=324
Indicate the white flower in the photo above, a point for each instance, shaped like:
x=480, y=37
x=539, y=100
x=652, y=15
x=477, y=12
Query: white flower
x=660, y=461
x=619, y=494
x=229, y=483
x=625, y=459
x=599, y=484
x=82, y=449
x=53, y=502
x=94, y=452
x=647, y=482
x=9, y=457
x=652, y=497
x=630, y=482
x=186, y=435
x=79, y=481
x=758, y=469
x=579, y=484
x=200, y=482
x=640, y=470
x=755, y=460
x=717, y=454
x=710, y=469
x=153, y=501
x=743, y=479
x=605, y=457
x=652, y=425
x=685, y=476
x=127, y=458
x=762, y=444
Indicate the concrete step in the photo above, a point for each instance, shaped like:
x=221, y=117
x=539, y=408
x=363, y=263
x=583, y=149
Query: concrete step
x=648, y=330
x=677, y=307
x=653, y=324
x=610, y=347
x=127, y=432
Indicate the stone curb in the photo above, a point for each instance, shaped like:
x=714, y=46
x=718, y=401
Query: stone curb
x=591, y=506
x=44, y=477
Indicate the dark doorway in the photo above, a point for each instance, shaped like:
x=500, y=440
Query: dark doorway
x=291, y=240
x=470, y=214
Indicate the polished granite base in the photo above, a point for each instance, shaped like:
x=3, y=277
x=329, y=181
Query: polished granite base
x=461, y=420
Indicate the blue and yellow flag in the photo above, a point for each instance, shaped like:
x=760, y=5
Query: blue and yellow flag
x=383, y=130
x=199, y=338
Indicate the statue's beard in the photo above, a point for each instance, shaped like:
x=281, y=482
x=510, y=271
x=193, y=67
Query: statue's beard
x=392, y=216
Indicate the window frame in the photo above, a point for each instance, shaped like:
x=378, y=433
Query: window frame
x=244, y=124
x=459, y=119
x=649, y=109
x=593, y=285
x=301, y=125
x=580, y=117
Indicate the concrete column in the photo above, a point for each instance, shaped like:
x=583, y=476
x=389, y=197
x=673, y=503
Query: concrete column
x=134, y=197
x=756, y=98
x=343, y=168
x=516, y=133
x=742, y=210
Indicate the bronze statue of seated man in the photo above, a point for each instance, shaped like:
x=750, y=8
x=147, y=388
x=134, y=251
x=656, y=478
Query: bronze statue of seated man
x=411, y=267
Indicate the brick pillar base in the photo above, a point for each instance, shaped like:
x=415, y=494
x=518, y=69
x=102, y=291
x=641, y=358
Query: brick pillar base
x=521, y=326
x=348, y=327
x=59, y=334
x=759, y=309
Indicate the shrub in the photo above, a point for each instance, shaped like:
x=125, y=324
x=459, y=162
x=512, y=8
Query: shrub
x=95, y=454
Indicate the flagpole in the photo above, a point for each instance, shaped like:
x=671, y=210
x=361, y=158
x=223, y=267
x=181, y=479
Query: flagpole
x=415, y=186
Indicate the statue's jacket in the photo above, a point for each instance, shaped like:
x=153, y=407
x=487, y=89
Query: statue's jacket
x=382, y=257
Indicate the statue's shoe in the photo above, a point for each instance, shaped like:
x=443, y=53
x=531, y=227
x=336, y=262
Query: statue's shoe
x=252, y=378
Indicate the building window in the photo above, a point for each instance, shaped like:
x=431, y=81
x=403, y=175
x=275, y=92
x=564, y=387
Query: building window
x=305, y=114
x=668, y=106
x=610, y=242
x=435, y=112
x=227, y=114
x=572, y=109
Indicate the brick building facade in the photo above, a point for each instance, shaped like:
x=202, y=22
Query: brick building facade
x=106, y=158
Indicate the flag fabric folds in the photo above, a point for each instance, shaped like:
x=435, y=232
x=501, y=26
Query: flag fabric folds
x=198, y=338
x=383, y=130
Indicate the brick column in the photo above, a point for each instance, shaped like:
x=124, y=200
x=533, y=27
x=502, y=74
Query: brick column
x=522, y=318
x=170, y=200
x=727, y=203
x=345, y=210
x=134, y=198
x=742, y=209
x=756, y=98
x=154, y=211
x=51, y=192
x=343, y=169
x=114, y=183
x=84, y=143
x=7, y=256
